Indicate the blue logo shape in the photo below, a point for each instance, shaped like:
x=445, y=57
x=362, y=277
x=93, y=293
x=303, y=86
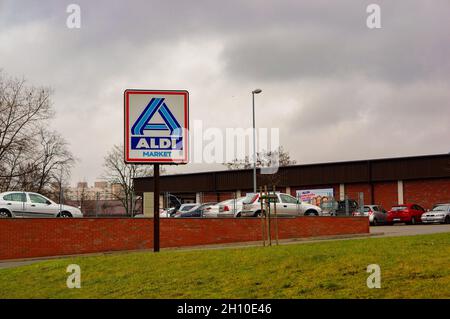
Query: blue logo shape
x=143, y=122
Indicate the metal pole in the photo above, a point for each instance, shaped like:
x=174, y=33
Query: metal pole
x=262, y=215
x=275, y=213
x=269, y=235
x=254, y=145
x=132, y=204
x=347, y=208
x=60, y=190
x=156, y=207
x=97, y=198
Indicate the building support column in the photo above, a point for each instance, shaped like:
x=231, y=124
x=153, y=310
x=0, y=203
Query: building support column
x=400, y=192
x=341, y=192
x=288, y=190
x=198, y=197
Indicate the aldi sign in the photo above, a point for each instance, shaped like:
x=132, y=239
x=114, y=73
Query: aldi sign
x=156, y=126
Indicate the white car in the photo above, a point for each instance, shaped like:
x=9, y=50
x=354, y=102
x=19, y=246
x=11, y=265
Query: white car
x=376, y=213
x=26, y=204
x=167, y=213
x=439, y=214
x=227, y=208
x=286, y=205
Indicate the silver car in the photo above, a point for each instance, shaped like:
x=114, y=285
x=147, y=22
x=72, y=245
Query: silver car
x=376, y=213
x=27, y=204
x=286, y=205
x=227, y=208
x=439, y=214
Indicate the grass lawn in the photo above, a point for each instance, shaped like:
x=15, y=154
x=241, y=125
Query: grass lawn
x=411, y=267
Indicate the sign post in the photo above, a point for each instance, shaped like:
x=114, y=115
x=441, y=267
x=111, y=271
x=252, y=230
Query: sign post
x=156, y=211
x=156, y=132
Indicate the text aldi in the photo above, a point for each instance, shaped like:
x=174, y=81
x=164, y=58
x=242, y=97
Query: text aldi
x=156, y=126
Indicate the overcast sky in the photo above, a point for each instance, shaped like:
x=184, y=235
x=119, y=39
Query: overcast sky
x=336, y=89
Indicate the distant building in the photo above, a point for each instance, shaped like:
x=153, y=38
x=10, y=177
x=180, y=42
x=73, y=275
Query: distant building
x=101, y=184
x=101, y=190
x=82, y=185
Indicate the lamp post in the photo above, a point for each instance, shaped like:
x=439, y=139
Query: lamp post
x=256, y=91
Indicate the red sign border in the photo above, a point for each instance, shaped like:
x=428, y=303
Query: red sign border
x=126, y=95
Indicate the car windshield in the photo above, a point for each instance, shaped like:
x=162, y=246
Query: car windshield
x=240, y=200
x=226, y=202
x=206, y=205
x=440, y=208
x=395, y=208
x=249, y=198
x=187, y=207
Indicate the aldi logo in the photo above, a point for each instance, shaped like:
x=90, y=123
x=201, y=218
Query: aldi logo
x=156, y=126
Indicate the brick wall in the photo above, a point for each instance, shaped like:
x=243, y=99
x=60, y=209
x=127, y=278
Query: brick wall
x=353, y=190
x=25, y=238
x=427, y=192
x=386, y=194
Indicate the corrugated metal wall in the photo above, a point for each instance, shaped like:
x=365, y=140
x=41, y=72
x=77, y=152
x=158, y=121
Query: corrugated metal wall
x=408, y=168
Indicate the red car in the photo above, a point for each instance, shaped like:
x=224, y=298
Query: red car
x=406, y=213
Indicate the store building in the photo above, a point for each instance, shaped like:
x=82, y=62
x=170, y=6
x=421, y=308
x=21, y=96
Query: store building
x=424, y=180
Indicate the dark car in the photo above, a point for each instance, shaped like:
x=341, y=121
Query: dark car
x=197, y=211
x=341, y=207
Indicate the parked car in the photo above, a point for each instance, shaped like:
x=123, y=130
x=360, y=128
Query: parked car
x=186, y=207
x=286, y=205
x=196, y=211
x=439, y=214
x=377, y=214
x=227, y=208
x=407, y=213
x=27, y=204
x=167, y=213
x=341, y=209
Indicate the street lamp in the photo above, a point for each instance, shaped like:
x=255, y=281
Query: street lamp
x=256, y=91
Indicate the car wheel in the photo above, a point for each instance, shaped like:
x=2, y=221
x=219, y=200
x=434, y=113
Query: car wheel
x=4, y=214
x=447, y=220
x=257, y=214
x=238, y=215
x=311, y=212
x=413, y=220
x=375, y=222
x=65, y=215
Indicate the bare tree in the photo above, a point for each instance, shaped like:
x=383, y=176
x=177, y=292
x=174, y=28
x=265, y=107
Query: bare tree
x=50, y=163
x=29, y=154
x=116, y=171
x=278, y=157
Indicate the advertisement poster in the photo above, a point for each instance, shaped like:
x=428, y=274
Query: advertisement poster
x=316, y=196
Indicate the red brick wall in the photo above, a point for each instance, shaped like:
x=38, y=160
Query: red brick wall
x=209, y=197
x=427, y=192
x=217, y=197
x=353, y=190
x=386, y=194
x=25, y=238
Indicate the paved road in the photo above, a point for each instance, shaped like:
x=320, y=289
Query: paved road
x=11, y=264
x=409, y=230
